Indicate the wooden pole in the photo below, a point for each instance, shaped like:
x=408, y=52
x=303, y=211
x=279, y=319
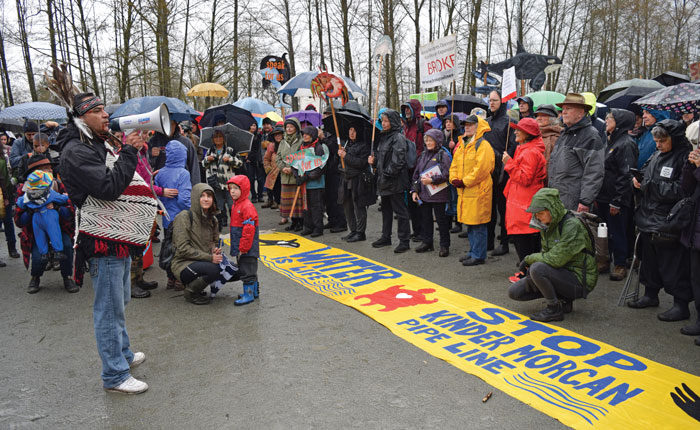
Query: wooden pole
x=454, y=90
x=376, y=103
x=337, y=133
x=296, y=196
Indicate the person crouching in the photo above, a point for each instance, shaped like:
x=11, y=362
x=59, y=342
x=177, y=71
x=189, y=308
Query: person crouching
x=565, y=269
x=245, y=243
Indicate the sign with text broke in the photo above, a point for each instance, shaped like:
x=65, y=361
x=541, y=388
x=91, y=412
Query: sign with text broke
x=582, y=382
x=438, y=62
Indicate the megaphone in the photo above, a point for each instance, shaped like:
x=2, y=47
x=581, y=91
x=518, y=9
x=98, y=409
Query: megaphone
x=157, y=120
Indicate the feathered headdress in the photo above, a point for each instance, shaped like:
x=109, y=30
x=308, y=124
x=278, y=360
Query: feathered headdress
x=60, y=84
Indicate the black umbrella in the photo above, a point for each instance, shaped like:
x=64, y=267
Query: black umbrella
x=352, y=106
x=466, y=102
x=347, y=119
x=669, y=79
x=625, y=98
x=239, y=140
x=239, y=117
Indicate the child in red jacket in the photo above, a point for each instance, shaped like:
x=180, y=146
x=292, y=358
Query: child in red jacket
x=244, y=237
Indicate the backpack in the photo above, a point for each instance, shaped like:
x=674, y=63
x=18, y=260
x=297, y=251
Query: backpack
x=167, y=250
x=599, y=244
x=411, y=154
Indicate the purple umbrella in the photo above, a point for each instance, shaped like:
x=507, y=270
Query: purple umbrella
x=310, y=116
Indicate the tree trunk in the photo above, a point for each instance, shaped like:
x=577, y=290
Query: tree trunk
x=88, y=47
x=319, y=26
x=309, y=6
x=6, y=87
x=236, y=71
x=328, y=26
x=78, y=54
x=52, y=31
x=290, y=47
x=21, y=23
x=184, y=51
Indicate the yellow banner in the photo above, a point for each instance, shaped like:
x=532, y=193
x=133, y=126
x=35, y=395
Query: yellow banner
x=577, y=380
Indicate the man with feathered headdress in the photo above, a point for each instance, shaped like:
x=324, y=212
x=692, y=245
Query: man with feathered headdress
x=116, y=209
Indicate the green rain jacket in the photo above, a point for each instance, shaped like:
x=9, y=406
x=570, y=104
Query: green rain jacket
x=568, y=249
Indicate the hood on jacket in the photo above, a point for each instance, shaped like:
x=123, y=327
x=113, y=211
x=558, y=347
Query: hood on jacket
x=443, y=102
x=294, y=121
x=660, y=115
x=499, y=112
x=415, y=107
x=624, y=121
x=481, y=128
x=242, y=182
x=438, y=136
x=378, y=123
x=546, y=199
x=197, y=190
x=529, y=102
x=175, y=154
x=394, y=120
x=311, y=131
x=675, y=129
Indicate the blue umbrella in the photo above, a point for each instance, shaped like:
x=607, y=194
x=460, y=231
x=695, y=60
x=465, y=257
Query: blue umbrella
x=310, y=116
x=254, y=105
x=179, y=110
x=300, y=86
x=41, y=111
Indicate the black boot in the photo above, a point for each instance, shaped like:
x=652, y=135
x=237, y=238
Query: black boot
x=678, y=312
x=12, y=250
x=147, y=285
x=33, y=286
x=550, y=313
x=425, y=247
x=643, y=302
x=69, y=285
x=692, y=329
x=138, y=293
x=502, y=249
x=358, y=237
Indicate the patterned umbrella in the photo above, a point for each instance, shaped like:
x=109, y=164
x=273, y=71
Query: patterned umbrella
x=300, y=86
x=681, y=98
x=41, y=111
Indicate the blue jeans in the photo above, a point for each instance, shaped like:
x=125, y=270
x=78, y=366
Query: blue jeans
x=9, y=225
x=37, y=268
x=477, y=241
x=111, y=280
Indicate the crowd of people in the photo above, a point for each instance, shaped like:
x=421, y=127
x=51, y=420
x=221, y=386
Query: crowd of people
x=494, y=178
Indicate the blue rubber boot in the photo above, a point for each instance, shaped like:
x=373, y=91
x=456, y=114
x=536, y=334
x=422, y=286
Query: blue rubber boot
x=247, y=296
x=256, y=289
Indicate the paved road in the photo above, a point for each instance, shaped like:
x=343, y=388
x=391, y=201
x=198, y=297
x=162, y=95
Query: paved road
x=293, y=359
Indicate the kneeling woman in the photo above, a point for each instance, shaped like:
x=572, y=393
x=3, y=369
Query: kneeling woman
x=196, y=242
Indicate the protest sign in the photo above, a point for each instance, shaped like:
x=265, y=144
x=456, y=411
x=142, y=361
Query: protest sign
x=306, y=160
x=508, y=86
x=582, y=382
x=438, y=61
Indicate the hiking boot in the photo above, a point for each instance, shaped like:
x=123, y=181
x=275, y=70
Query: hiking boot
x=358, y=237
x=33, y=286
x=381, y=242
x=138, y=293
x=678, y=312
x=130, y=386
x=500, y=250
x=69, y=285
x=553, y=312
x=643, y=302
x=618, y=273
x=425, y=247
x=444, y=252
x=403, y=247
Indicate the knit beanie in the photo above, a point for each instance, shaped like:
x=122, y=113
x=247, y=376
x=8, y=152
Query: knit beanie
x=39, y=180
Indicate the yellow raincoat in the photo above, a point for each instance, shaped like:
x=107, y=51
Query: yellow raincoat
x=474, y=167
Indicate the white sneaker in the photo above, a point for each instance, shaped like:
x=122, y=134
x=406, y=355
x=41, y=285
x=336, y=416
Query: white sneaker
x=130, y=386
x=139, y=357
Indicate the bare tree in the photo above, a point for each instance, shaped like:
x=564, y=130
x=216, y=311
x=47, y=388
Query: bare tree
x=21, y=21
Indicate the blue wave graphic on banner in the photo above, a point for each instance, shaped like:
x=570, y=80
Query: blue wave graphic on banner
x=326, y=288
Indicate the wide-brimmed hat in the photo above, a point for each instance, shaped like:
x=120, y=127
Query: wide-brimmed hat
x=548, y=110
x=527, y=125
x=575, y=99
x=37, y=161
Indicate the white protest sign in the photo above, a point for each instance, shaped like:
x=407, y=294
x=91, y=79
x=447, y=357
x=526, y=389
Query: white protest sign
x=438, y=61
x=508, y=86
